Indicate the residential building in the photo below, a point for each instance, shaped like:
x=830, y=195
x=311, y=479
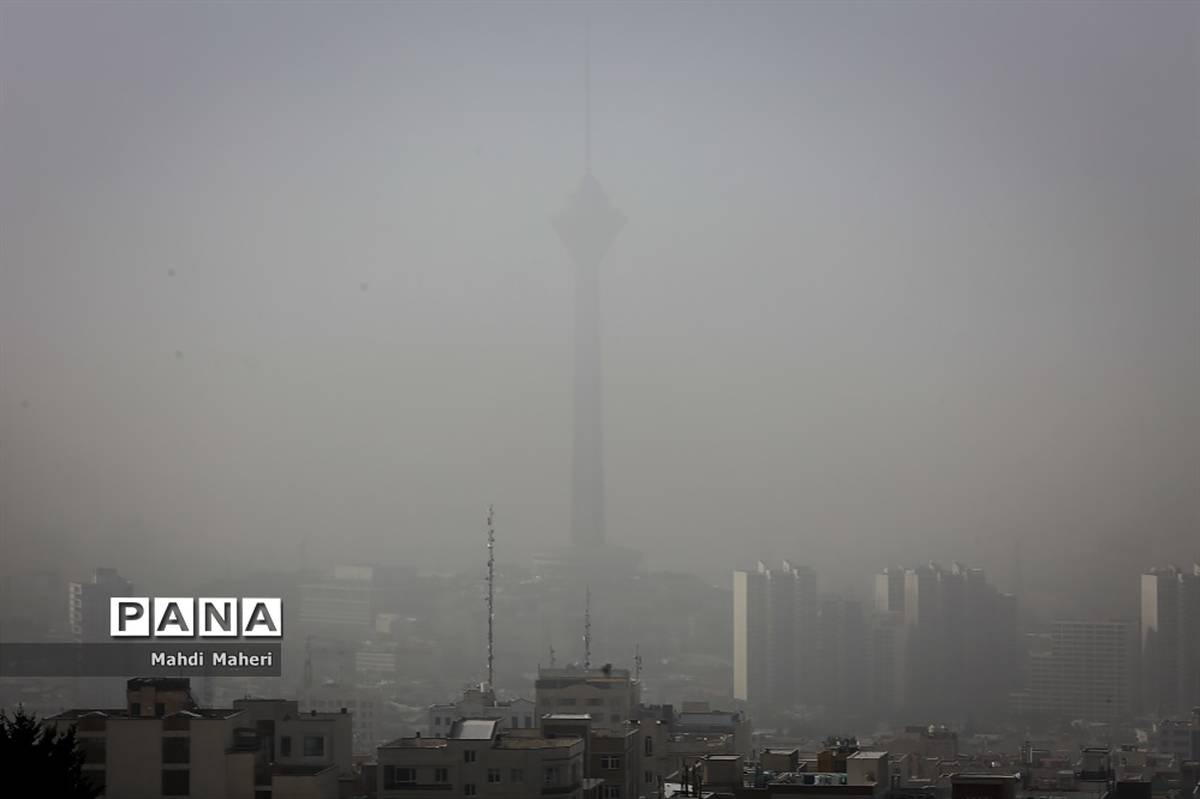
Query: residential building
x=1179, y=737
x=479, y=702
x=841, y=648
x=477, y=759
x=301, y=739
x=774, y=634
x=341, y=606
x=889, y=590
x=364, y=703
x=670, y=738
x=614, y=759
x=865, y=775
x=985, y=786
x=88, y=606
x=750, y=638
x=609, y=695
x=162, y=744
x=887, y=640
x=961, y=643
x=1170, y=640
x=1087, y=672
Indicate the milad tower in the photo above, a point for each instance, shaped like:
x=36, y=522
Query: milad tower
x=588, y=225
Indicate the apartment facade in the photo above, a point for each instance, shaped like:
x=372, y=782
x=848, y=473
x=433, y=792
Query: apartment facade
x=609, y=695
x=1088, y=672
x=477, y=759
x=1170, y=640
x=775, y=615
x=479, y=702
x=162, y=744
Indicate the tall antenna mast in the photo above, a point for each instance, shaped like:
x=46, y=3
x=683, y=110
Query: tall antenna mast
x=551, y=655
x=587, y=630
x=491, y=597
x=308, y=670
x=587, y=94
x=637, y=662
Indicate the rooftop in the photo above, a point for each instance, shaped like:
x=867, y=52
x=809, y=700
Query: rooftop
x=416, y=743
x=623, y=732
x=161, y=683
x=123, y=713
x=473, y=729
x=577, y=673
x=521, y=742
x=300, y=771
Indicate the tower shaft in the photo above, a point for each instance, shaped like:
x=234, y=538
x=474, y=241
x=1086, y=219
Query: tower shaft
x=491, y=598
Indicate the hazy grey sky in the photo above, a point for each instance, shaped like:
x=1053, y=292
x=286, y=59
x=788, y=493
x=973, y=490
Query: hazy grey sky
x=900, y=281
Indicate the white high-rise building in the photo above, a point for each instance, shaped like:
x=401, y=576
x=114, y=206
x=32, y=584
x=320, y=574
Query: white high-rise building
x=774, y=636
x=1170, y=640
x=750, y=636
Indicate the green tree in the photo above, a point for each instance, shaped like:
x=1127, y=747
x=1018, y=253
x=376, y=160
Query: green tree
x=46, y=760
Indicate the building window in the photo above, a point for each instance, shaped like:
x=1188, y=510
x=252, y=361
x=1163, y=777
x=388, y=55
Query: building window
x=160, y=709
x=468, y=755
x=95, y=749
x=516, y=775
x=648, y=776
x=552, y=776
x=610, y=762
x=177, y=750
x=493, y=775
x=285, y=746
x=437, y=721
x=175, y=782
x=441, y=775
x=528, y=721
x=514, y=722
x=394, y=776
x=314, y=745
x=135, y=708
x=611, y=792
x=648, y=746
x=595, y=702
x=469, y=789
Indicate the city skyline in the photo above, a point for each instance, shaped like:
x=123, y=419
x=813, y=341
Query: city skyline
x=870, y=305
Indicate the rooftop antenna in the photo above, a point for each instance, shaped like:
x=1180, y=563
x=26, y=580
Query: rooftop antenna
x=587, y=94
x=551, y=655
x=587, y=630
x=637, y=662
x=491, y=597
x=308, y=671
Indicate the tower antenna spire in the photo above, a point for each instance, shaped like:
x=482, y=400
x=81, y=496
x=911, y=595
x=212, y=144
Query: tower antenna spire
x=587, y=94
x=587, y=629
x=637, y=662
x=491, y=597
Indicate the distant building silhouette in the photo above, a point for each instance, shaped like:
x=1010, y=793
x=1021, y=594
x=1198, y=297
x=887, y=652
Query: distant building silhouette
x=775, y=637
x=1170, y=640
